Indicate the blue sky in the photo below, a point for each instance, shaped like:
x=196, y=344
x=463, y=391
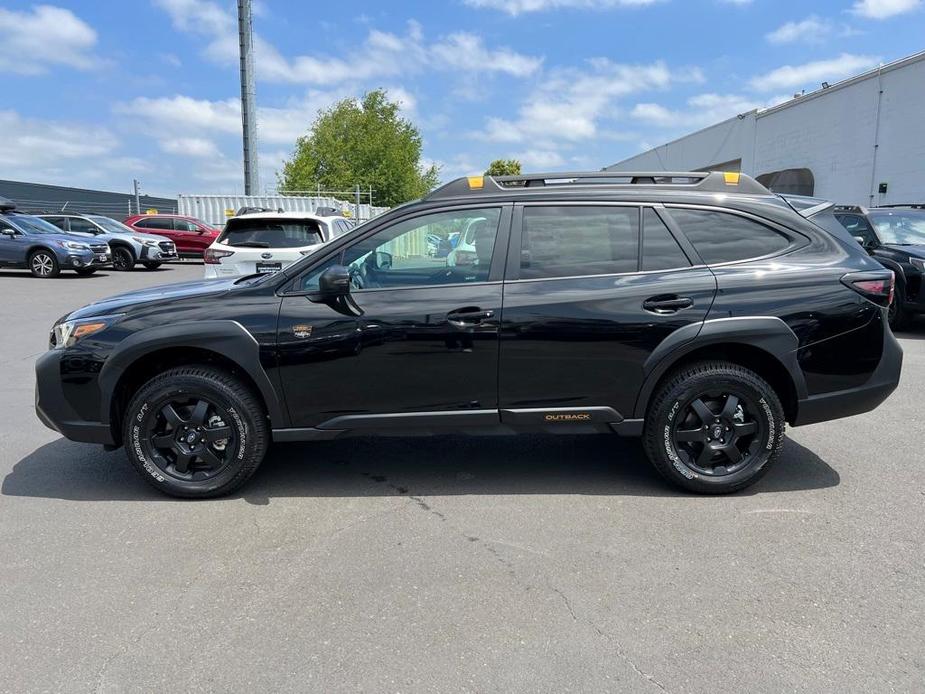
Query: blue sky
x=97, y=92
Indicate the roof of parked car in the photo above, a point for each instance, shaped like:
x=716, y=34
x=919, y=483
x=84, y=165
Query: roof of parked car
x=285, y=215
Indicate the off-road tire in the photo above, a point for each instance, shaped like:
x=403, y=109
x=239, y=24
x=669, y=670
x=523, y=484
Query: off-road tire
x=671, y=402
x=123, y=259
x=247, y=422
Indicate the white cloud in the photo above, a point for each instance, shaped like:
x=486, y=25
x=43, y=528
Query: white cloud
x=516, y=7
x=382, y=54
x=55, y=151
x=199, y=147
x=702, y=110
x=34, y=40
x=570, y=104
x=539, y=159
x=882, y=9
x=813, y=29
x=811, y=74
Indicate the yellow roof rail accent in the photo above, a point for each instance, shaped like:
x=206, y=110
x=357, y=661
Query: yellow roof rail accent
x=476, y=182
x=731, y=178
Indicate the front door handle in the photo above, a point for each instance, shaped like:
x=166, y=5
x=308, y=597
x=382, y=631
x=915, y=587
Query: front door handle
x=468, y=317
x=668, y=303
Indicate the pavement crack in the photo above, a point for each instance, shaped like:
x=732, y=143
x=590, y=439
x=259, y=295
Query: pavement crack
x=621, y=652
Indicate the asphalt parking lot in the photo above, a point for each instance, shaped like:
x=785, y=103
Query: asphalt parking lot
x=533, y=564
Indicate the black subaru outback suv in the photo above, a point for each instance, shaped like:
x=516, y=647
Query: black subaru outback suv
x=696, y=310
x=895, y=237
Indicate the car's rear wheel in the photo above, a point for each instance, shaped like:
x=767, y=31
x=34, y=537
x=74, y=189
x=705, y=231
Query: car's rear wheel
x=152, y=266
x=714, y=428
x=44, y=264
x=122, y=259
x=195, y=432
x=897, y=313
x=85, y=271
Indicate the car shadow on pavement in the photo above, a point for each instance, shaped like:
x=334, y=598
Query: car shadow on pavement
x=413, y=466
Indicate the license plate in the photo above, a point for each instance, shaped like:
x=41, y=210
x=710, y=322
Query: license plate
x=102, y=258
x=267, y=268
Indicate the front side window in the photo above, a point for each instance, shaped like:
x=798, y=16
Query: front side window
x=722, y=237
x=271, y=233
x=397, y=256
x=900, y=227
x=59, y=222
x=111, y=225
x=577, y=240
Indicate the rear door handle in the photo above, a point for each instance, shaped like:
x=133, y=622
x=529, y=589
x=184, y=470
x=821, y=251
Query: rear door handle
x=667, y=303
x=469, y=316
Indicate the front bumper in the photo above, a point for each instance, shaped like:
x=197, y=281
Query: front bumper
x=55, y=412
x=78, y=260
x=864, y=398
x=151, y=254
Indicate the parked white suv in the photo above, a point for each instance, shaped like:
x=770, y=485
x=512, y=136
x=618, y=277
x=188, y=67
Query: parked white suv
x=265, y=242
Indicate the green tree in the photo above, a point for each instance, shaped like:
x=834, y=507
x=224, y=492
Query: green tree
x=503, y=167
x=363, y=142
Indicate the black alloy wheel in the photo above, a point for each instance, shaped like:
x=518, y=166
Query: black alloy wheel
x=189, y=438
x=717, y=433
x=122, y=259
x=714, y=427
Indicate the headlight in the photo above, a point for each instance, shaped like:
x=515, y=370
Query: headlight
x=918, y=264
x=74, y=246
x=150, y=243
x=68, y=332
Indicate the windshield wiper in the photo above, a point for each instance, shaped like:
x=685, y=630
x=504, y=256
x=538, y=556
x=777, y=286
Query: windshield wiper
x=250, y=244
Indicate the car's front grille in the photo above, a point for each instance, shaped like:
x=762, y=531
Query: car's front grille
x=166, y=246
x=99, y=247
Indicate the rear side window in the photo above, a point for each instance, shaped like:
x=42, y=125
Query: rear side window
x=721, y=237
x=576, y=240
x=155, y=223
x=659, y=249
x=270, y=233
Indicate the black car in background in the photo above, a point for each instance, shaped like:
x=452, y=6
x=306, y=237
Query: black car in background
x=895, y=236
x=696, y=310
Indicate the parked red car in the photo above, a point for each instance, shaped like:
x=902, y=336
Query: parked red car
x=191, y=236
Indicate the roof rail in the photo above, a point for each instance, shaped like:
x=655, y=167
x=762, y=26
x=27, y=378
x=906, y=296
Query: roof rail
x=704, y=181
x=907, y=205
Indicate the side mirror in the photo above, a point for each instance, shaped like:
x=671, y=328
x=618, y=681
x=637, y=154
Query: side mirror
x=334, y=282
x=8, y=232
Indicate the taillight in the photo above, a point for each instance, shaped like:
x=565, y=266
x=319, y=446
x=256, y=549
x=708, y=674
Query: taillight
x=213, y=256
x=876, y=286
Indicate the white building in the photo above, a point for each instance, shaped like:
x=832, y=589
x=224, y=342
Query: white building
x=860, y=141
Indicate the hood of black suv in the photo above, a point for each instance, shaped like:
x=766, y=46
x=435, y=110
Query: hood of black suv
x=916, y=250
x=167, y=293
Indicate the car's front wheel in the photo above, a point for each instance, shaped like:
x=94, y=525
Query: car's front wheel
x=195, y=432
x=122, y=259
x=44, y=264
x=714, y=428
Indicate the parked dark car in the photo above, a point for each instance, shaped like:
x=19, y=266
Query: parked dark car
x=32, y=243
x=698, y=311
x=191, y=236
x=895, y=237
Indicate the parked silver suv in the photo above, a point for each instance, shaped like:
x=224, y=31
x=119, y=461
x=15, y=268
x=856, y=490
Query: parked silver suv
x=128, y=245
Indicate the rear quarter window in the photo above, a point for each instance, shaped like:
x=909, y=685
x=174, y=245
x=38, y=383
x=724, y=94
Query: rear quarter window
x=723, y=237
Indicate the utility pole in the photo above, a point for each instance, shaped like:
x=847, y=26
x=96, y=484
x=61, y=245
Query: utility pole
x=135, y=184
x=248, y=97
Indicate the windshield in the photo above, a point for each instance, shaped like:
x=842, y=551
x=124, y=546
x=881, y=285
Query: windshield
x=272, y=233
x=899, y=227
x=34, y=225
x=111, y=225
